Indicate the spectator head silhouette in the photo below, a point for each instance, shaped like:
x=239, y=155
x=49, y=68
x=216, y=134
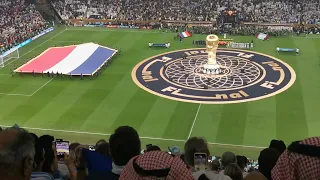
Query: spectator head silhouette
x=195, y=145
x=156, y=165
x=228, y=158
x=215, y=165
x=233, y=171
x=255, y=176
x=73, y=146
x=124, y=145
x=103, y=147
x=267, y=160
x=278, y=145
x=16, y=154
x=300, y=161
x=79, y=158
x=153, y=148
x=101, y=141
x=39, y=156
x=242, y=161
x=50, y=164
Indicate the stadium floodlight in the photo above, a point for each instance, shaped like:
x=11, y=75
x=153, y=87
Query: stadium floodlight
x=7, y=56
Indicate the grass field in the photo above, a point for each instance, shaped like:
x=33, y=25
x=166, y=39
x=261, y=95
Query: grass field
x=87, y=111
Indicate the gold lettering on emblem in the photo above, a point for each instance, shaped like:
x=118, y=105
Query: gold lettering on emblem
x=238, y=95
x=187, y=53
x=169, y=89
x=243, y=55
x=147, y=76
x=221, y=96
x=243, y=93
x=164, y=59
x=235, y=95
x=194, y=52
x=268, y=85
x=275, y=67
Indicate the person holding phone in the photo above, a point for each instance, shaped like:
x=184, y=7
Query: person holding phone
x=196, y=156
x=50, y=164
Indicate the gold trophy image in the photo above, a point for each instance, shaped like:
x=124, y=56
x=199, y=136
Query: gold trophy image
x=212, y=67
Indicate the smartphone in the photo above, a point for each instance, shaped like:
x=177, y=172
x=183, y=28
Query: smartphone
x=62, y=148
x=91, y=148
x=213, y=158
x=200, y=161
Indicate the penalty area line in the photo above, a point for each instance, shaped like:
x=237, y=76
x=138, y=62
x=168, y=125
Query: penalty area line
x=28, y=95
x=8, y=94
x=41, y=87
x=37, y=46
x=111, y=30
x=194, y=121
x=66, y=41
x=149, y=138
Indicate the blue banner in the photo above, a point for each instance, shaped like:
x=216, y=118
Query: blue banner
x=287, y=50
x=27, y=41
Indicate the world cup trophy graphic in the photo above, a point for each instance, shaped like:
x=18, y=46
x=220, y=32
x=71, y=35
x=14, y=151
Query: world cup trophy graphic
x=212, y=67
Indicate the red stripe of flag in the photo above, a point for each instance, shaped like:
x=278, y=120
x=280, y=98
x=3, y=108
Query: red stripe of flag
x=188, y=33
x=46, y=60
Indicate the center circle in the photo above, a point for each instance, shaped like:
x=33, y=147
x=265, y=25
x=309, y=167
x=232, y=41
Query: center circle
x=236, y=73
x=245, y=76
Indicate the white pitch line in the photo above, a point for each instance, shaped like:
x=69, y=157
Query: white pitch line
x=28, y=95
x=37, y=46
x=234, y=145
x=41, y=87
x=64, y=41
x=110, y=30
x=150, y=138
x=194, y=121
x=8, y=94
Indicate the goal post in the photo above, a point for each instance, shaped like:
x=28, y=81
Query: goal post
x=7, y=56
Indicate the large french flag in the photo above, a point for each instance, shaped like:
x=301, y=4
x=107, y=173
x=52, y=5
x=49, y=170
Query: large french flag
x=185, y=34
x=83, y=59
x=263, y=36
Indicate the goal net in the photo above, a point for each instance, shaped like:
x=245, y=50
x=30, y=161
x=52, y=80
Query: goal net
x=9, y=55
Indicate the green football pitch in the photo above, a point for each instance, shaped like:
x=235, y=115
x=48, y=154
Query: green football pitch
x=86, y=111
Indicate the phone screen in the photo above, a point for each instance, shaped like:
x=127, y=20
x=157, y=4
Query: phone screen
x=62, y=148
x=213, y=158
x=200, y=161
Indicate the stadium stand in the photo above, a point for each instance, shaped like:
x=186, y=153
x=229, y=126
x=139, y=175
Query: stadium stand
x=275, y=11
x=19, y=21
x=207, y=16
x=24, y=155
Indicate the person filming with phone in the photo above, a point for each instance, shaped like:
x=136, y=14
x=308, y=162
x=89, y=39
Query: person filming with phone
x=53, y=154
x=196, y=156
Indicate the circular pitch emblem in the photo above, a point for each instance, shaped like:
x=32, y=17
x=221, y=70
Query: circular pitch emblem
x=245, y=76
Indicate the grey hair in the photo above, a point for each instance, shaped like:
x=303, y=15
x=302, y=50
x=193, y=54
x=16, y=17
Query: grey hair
x=12, y=155
x=228, y=158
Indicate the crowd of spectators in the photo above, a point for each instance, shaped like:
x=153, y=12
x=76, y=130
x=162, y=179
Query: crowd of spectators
x=273, y=11
x=18, y=21
x=25, y=156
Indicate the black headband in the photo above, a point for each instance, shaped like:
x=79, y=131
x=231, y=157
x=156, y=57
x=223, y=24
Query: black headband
x=304, y=149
